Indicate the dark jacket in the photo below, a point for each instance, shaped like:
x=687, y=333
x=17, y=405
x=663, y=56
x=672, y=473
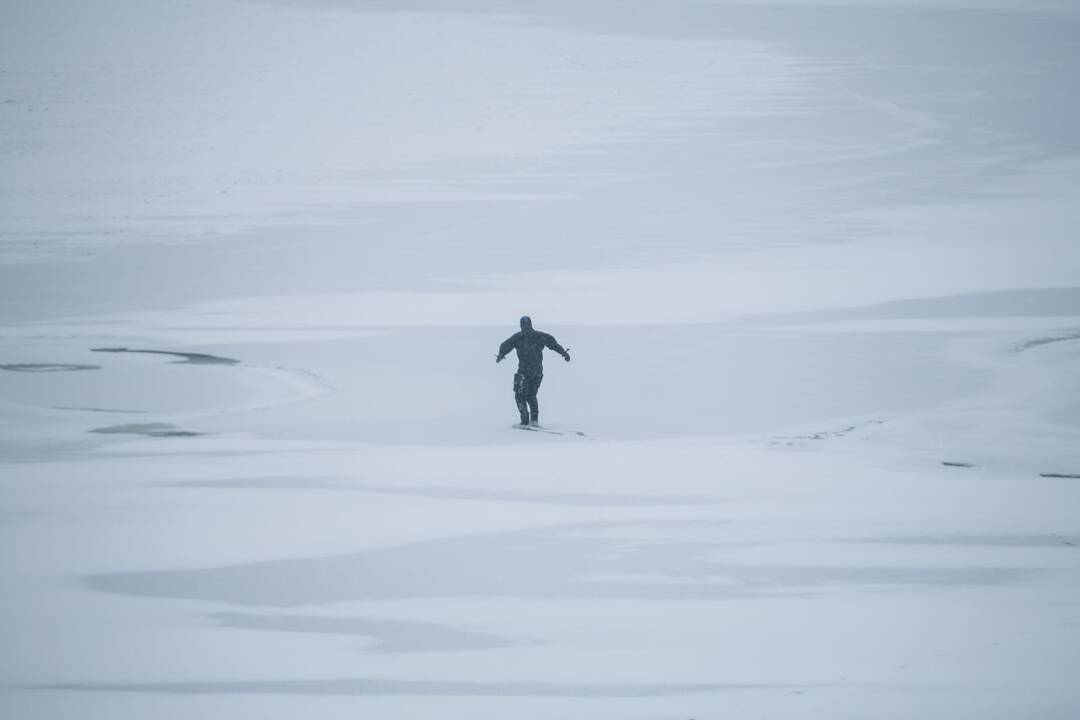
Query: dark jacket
x=530, y=346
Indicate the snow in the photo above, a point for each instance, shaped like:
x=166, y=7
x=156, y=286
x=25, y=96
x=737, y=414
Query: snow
x=815, y=264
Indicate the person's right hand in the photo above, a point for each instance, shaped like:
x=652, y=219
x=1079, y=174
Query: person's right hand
x=498, y=358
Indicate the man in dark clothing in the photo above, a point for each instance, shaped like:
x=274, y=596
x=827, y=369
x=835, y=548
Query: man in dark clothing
x=530, y=346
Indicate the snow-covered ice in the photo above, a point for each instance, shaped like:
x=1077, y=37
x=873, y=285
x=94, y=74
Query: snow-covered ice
x=816, y=266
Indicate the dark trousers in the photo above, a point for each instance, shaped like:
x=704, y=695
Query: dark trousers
x=525, y=388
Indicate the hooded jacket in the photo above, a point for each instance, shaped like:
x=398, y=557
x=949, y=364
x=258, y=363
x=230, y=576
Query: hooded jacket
x=530, y=346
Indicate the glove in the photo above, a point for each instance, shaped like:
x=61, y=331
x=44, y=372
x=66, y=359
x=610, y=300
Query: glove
x=566, y=355
x=499, y=358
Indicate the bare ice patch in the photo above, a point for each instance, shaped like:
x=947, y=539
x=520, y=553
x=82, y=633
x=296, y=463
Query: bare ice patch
x=185, y=357
x=1038, y=342
x=47, y=367
x=157, y=429
x=573, y=561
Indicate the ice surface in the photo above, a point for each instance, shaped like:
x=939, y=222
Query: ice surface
x=816, y=264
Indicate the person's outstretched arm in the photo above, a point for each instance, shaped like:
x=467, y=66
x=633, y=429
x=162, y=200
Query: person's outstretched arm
x=508, y=344
x=552, y=344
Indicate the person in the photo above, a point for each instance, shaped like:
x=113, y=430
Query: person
x=530, y=345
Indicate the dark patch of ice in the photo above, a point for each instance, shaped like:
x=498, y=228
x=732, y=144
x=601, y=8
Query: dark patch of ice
x=545, y=563
x=1046, y=341
x=147, y=429
x=47, y=367
x=185, y=357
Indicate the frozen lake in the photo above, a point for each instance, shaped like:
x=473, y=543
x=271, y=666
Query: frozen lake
x=817, y=452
